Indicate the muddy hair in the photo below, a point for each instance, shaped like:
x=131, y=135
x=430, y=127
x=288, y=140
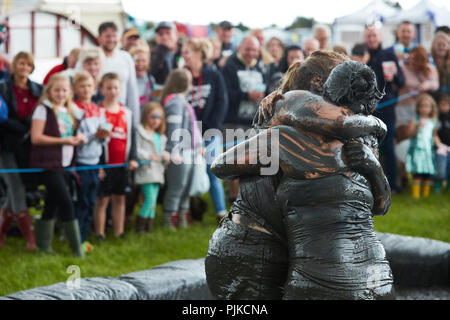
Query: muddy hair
x=312, y=73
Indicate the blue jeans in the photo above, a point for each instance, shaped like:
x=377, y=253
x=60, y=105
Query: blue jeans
x=87, y=194
x=442, y=166
x=213, y=148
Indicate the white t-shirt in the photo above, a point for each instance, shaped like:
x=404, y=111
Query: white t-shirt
x=122, y=64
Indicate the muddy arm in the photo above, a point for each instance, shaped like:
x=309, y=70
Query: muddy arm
x=247, y=158
x=362, y=159
x=310, y=112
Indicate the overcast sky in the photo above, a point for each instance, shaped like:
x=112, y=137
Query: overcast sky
x=253, y=13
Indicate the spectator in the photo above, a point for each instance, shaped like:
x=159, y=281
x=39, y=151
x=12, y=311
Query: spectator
x=69, y=62
x=120, y=62
x=275, y=47
x=340, y=49
x=130, y=38
x=91, y=60
x=208, y=97
x=444, y=29
x=440, y=51
x=166, y=53
x=360, y=53
x=264, y=58
x=322, y=33
x=310, y=45
x=216, y=52
x=150, y=145
x=92, y=126
x=53, y=139
x=179, y=116
x=443, y=152
x=386, y=109
x=274, y=75
x=224, y=32
x=146, y=82
x=21, y=96
x=420, y=76
x=121, y=148
x=405, y=35
x=420, y=158
x=245, y=87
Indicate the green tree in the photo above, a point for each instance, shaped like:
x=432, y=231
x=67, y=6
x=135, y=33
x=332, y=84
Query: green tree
x=242, y=27
x=393, y=4
x=301, y=22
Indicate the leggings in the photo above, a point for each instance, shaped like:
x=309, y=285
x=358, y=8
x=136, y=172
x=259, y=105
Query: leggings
x=150, y=191
x=58, y=199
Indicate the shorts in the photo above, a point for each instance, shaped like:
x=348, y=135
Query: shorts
x=115, y=182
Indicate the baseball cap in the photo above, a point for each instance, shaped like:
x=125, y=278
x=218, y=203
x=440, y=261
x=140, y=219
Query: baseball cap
x=225, y=25
x=131, y=32
x=164, y=24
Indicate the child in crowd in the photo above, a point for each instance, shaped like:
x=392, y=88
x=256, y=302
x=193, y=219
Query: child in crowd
x=53, y=141
x=423, y=133
x=180, y=116
x=89, y=153
x=121, y=148
x=443, y=152
x=145, y=81
x=150, y=145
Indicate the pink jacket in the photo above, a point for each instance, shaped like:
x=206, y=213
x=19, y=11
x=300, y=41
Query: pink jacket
x=413, y=81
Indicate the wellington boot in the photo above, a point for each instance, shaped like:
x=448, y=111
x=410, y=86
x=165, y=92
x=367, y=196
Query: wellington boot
x=73, y=235
x=6, y=218
x=26, y=227
x=140, y=224
x=44, y=232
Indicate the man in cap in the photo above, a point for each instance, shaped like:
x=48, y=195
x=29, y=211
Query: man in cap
x=167, y=52
x=224, y=32
x=130, y=38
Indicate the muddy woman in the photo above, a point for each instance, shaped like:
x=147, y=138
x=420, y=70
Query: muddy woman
x=307, y=232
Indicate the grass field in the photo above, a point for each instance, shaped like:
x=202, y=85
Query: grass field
x=20, y=270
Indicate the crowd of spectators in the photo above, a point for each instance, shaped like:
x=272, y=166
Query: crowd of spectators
x=115, y=111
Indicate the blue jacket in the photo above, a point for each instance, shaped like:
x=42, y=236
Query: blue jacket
x=377, y=57
x=211, y=95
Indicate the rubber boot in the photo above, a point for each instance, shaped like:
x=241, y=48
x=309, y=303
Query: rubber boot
x=26, y=227
x=149, y=225
x=415, y=189
x=437, y=186
x=140, y=224
x=426, y=187
x=184, y=219
x=6, y=218
x=44, y=231
x=73, y=235
x=170, y=220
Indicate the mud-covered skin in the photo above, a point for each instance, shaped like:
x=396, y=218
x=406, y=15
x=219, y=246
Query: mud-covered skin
x=325, y=196
x=248, y=255
x=333, y=251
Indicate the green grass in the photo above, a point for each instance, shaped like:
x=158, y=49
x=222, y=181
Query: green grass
x=429, y=217
x=20, y=270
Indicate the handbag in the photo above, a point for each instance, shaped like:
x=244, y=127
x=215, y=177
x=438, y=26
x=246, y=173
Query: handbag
x=200, y=180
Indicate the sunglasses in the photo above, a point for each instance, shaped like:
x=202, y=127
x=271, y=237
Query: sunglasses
x=156, y=116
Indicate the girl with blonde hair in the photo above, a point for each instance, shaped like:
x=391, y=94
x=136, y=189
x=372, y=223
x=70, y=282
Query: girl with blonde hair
x=53, y=140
